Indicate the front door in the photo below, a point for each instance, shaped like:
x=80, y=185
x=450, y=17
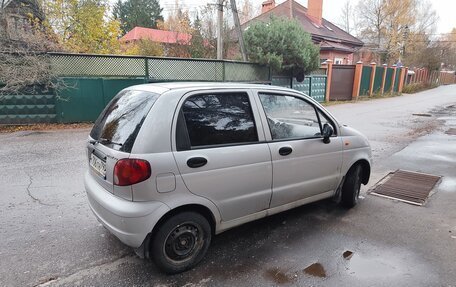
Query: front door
x=221, y=152
x=303, y=165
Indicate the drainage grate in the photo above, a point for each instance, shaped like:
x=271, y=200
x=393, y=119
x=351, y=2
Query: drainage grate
x=451, y=132
x=406, y=186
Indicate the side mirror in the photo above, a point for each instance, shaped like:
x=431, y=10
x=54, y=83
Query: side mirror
x=327, y=133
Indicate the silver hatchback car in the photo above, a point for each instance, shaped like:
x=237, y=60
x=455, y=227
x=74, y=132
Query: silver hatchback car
x=172, y=164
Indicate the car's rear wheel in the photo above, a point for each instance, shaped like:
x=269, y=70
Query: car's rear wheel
x=351, y=187
x=181, y=242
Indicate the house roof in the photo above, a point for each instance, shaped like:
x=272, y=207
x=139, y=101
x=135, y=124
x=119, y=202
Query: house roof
x=160, y=36
x=326, y=31
x=328, y=46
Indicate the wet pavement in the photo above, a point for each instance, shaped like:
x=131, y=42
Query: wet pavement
x=50, y=237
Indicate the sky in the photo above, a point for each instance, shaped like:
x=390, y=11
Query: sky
x=446, y=9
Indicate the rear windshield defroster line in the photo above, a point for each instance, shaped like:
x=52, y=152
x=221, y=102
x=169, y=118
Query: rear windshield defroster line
x=119, y=123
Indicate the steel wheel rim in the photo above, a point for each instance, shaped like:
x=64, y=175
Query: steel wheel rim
x=183, y=242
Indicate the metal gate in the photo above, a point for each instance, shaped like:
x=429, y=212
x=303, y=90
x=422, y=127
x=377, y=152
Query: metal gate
x=342, y=82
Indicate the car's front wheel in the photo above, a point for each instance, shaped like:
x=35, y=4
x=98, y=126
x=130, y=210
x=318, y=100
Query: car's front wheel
x=181, y=242
x=351, y=187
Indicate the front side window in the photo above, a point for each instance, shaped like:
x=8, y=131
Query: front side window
x=290, y=117
x=218, y=119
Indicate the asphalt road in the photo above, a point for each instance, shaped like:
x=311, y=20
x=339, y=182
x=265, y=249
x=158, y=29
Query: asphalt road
x=50, y=237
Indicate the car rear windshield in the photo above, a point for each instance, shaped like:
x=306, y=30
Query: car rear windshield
x=119, y=123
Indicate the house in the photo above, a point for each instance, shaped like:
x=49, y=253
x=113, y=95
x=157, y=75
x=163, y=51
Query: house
x=335, y=44
x=155, y=35
x=17, y=18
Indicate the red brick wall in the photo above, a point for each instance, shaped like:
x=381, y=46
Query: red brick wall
x=346, y=58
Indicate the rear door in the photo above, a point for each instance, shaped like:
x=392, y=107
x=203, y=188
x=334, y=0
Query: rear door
x=303, y=164
x=220, y=150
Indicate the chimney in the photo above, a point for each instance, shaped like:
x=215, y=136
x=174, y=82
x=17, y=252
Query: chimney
x=315, y=10
x=267, y=5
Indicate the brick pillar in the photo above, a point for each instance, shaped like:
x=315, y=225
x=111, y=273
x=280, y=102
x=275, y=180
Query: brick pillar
x=329, y=70
x=357, y=80
x=393, y=80
x=372, y=78
x=401, y=79
x=385, y=69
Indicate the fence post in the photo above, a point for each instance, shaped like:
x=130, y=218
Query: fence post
x=329, y=71
x=372, y=78
x=401, y=79
x=310, y=86
x=393, y=80
x=146, y=66
x=357, y=80
x=385, y=69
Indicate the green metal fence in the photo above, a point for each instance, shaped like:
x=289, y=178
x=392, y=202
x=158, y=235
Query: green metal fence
x=157, y=69
x=91, y=81
x=397, y=80
x=389, y=79
x=365, y=80
x=378, y=79
x=313, y=86
x=23, y=109
x=83, y=99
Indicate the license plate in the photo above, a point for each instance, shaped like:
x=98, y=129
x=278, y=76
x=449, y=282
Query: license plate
x=98, y=165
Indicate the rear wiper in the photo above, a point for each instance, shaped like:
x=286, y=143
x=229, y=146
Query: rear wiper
x=104, y=141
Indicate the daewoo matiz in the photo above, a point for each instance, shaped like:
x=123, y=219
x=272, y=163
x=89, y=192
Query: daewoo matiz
x=172, y=164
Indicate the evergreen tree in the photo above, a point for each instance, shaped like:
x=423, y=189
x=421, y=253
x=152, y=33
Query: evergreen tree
x=197, y=45
x=133, y=13
x=283, y=44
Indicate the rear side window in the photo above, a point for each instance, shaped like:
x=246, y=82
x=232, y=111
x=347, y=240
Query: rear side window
x=119, y=123
x=216, y=119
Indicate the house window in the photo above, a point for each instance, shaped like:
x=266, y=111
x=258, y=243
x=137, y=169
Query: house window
x=338, y=61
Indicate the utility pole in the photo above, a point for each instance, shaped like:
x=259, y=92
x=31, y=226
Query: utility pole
x=219, y=29
x=237, y=23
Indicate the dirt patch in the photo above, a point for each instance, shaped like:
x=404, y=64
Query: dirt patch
x=43, y=127
x=278, y=276
x=316, y=270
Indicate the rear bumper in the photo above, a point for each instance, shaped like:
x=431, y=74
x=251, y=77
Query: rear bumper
x=128, y=220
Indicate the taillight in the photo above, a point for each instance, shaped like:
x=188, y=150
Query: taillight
x=130, y=171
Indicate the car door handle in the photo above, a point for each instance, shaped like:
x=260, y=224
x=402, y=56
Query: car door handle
x=195, y=162
x=286, y=150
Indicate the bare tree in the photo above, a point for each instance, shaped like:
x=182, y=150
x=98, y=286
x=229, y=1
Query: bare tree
x=395, y=26
x=346, y=16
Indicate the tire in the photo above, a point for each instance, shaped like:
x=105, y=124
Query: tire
x=351, y=187
x=181, y=242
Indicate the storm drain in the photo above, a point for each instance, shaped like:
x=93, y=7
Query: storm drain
x=451, y=132
x=406, y=186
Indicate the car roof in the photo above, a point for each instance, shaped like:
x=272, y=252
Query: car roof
x=166, y=86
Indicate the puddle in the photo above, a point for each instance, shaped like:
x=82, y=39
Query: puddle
x=347, y=255
x=371, y=267
x=278, y=276
x=316, y=270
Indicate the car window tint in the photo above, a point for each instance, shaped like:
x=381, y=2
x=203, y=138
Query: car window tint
x=121, y=120
x=290, y=117
x=216, y=119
